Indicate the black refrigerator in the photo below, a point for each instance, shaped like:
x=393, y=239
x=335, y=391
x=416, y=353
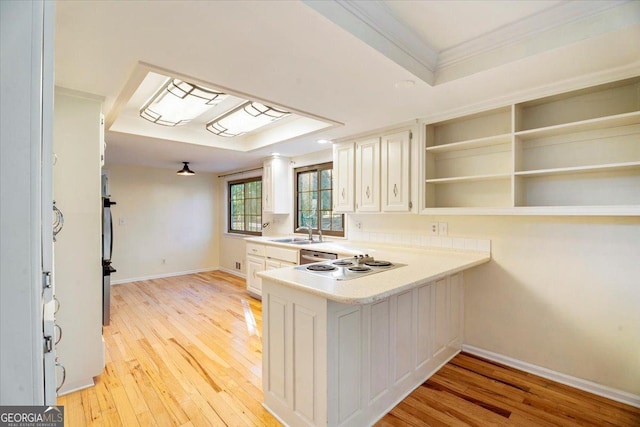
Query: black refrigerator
x=107, y=249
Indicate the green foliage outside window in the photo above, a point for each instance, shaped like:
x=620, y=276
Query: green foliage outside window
x=245, y=206
x=314, y=200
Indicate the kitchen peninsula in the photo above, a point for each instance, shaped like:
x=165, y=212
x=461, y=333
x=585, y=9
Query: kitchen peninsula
x=344, y=352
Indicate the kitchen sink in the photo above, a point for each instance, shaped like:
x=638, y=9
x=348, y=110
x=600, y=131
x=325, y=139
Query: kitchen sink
x=294, y=240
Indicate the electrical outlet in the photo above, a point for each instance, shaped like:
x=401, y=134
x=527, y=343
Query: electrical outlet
x=443, y=228
x=433, y=229
x=359, y=225
x=238, y=266
x=121, y=221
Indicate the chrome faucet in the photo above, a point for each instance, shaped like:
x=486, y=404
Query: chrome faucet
x=309, y=230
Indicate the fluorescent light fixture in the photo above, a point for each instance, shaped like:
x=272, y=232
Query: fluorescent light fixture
x=324, y=141
x=179, y=102
x=247, y=117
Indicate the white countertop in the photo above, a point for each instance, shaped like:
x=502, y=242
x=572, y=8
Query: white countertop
x=342, y=248
x=423, y=266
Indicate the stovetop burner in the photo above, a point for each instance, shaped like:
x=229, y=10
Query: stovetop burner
x=349, y=268
x=377, y=263
x=359, y=269
x=321, y=267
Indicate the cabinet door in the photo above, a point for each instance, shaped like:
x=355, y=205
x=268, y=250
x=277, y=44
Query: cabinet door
x=396, y=172
x=267, y=186
x=254, y=282
x=343, y=175
x=368, y=175
x=276, y=185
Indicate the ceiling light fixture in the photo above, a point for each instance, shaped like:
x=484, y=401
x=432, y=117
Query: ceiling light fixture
x=245, y=118
x=179, y=102
x=185, y=171
x=324, y=141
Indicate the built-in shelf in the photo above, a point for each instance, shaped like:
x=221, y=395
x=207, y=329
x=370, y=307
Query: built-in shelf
x=576, y=153
x=626, y=119
x=473, y=143
x=468, y=178
x=581, y=169
x=617, y=210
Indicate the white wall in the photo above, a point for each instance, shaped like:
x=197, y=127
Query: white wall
x=78, y=267
x=562, y=293
x=164, y=224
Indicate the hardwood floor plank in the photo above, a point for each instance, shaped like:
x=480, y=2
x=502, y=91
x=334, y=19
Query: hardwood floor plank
x=179, y=353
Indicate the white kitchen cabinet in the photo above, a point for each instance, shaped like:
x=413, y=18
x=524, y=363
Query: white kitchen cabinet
x=396, y=172
x=333, y=364
x=343, y=177
x=276, y=186
x=367, y=182
x=260, y=257
x=377, y=171
x=254, y=282
x=272, y=264
x=575, y=153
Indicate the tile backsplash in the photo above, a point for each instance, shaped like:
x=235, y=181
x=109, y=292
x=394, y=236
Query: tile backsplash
x=416, y=240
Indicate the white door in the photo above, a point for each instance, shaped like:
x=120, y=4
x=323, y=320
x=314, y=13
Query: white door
x=26, y=42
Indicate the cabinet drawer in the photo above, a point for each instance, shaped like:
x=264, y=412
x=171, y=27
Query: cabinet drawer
x=284, y=254
x=255, y=249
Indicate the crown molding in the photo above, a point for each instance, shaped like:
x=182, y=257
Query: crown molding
x=376, y=25
x=582, y=14
x=568, y=22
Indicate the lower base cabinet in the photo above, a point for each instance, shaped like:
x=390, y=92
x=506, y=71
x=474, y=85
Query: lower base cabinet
x=264, y=257
x=332, y=364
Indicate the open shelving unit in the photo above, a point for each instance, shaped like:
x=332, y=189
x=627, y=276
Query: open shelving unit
x=576, y=153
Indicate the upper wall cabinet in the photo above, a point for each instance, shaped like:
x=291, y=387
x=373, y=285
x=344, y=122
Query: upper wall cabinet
x=344, y=177
x=374, y=174
x=576, y=153
x=396, y=172
x=276, y=192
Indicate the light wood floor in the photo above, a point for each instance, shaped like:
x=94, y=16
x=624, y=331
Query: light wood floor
x=180, y=353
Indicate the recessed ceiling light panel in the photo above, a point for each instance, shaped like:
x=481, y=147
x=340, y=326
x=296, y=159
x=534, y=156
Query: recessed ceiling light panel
x=246, y=118
x=179, y=102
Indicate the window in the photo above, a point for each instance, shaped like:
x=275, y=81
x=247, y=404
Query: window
x=313, y=200
x=245, y=206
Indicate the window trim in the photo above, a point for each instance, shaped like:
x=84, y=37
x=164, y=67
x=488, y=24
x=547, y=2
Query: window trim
x=317, y=167
x=242, y=181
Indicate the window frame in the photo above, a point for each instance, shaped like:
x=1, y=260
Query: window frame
x=229, y=199
x=316, y=167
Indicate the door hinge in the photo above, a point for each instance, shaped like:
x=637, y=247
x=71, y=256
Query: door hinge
x=410, y=135
x=46, y=279
x=48, y=344
x=410, y=205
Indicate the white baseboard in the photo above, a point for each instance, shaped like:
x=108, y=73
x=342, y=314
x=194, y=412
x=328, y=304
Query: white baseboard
x=591, y=387
x=234, y=272
x=163, y=275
